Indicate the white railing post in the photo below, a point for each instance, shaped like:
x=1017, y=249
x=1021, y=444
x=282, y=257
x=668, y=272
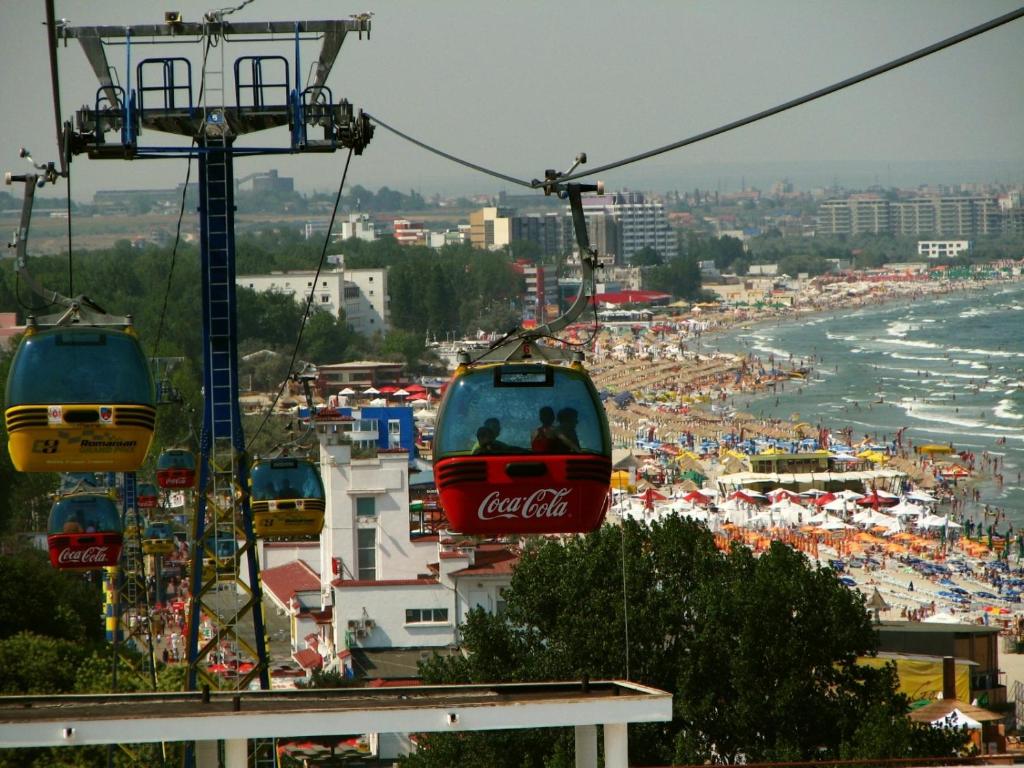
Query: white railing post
x=586, y=746
x=616, y=745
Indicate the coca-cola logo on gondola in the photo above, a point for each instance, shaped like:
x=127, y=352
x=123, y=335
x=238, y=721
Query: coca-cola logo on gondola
x=544, y=502
x=86, y=556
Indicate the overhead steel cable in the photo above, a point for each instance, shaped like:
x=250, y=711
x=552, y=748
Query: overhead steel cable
x=309, y=303
x=814, y=95
x=449, y=156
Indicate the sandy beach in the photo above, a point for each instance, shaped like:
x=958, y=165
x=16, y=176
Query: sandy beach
x=680, y=393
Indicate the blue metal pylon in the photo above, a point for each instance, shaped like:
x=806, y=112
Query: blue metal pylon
x=223, y=515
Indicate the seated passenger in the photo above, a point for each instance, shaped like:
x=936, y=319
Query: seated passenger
x=568, y=418
x=484, y=440
x=487, y=438
x=546, y=438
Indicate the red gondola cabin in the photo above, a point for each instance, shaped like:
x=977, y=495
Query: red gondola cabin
x=522, y=448
x=176, y=468
x=85, y=532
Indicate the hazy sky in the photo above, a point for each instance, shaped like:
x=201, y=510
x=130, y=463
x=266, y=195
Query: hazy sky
x=521, y=86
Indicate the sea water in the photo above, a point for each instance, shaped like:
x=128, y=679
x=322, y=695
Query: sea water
x=948, y=368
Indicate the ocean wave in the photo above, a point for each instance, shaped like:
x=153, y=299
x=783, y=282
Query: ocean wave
x=922, y=358
x=1005, y=410
x=778, y=353
x=975, y=312
x=986, y=352
x=907, y=343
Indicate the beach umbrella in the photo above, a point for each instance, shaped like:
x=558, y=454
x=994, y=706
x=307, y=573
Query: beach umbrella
x=399, y=393
x=650, y=496
x=920, y=496
x=814, y=492
x=824, y=499
x=696, y=497
x=347, y=391
x=371, y=391
x=851, y=495
x=783, y=493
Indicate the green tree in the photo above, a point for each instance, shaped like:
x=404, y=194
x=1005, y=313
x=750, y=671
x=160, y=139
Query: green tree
x=62, y=605
x=759, y=652
x=646, y=257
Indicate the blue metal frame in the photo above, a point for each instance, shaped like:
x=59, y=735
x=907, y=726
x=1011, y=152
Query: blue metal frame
x=221, y=413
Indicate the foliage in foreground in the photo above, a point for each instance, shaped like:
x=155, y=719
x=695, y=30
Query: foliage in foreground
x=758, y=652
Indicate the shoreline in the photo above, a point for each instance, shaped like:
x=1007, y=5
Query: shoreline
x=683, y=385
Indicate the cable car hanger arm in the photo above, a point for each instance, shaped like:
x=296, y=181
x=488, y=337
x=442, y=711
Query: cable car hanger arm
x=78, y=308
x=518, y=344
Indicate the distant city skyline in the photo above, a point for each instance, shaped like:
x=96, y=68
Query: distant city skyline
x=525, y=87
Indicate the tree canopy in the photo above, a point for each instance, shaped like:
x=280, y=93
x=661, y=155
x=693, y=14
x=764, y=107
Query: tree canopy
x=758, y=652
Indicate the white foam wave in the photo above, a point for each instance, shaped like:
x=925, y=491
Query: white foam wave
x=778, y=353
x=1005, y=410
x=922, y=358
x=986, y=352
x=906, y=343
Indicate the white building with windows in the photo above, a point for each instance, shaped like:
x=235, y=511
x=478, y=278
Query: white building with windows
x=942, y=249
x=391, y=586
x=359, y=226
x=361, y=294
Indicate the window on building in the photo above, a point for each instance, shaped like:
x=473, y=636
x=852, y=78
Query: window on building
x=394, y=431
x=426, y=615
x=309, y=285
x=251, y=285
x=366, y=506
x=366, y=553
x=325, y=283
x=371, y=279
x=325, y=299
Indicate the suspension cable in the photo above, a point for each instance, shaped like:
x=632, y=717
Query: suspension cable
x=449, y=156
x=814, y=95
x=309, y=303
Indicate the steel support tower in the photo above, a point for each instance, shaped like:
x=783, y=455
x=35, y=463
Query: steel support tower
x=160, y=94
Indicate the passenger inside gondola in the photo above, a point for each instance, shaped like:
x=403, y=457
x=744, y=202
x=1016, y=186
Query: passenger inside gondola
x=568, y=418
x=530, y=418
x=84, y=514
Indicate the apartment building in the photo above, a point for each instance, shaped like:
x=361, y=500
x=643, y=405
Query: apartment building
x=622, y=223
x=938, y=215
x=360, y=294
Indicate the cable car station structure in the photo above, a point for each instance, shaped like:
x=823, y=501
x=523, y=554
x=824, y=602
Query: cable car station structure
x=161, y=94
x=228, y=101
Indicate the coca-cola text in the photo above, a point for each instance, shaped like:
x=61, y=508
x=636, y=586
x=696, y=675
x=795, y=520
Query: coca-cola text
x=543, y=502
x=86, y=556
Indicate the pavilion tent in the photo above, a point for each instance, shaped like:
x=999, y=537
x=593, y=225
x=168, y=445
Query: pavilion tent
x=788, y=512
x=906, y=508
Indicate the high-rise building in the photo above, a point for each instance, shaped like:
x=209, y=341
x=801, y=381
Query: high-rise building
x=550, y=232
x=630, y=223
x=859, y=214
x=936, y=215
x=490, y=228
